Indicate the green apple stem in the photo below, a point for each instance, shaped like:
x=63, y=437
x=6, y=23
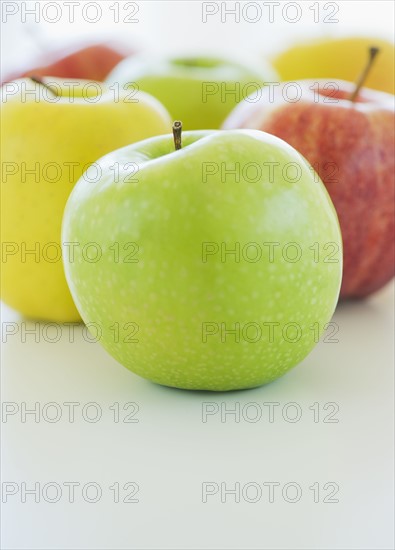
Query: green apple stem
x=177, y=129
x=38, y=80
x=373, y=51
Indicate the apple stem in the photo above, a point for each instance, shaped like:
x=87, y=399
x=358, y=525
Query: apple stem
x=38, y=80
x=177, y=129
x=373, y=51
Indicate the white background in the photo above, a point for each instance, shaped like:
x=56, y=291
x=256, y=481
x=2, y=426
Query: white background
x=170, y=452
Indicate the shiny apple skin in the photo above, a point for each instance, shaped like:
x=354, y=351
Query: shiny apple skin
x=351, y=146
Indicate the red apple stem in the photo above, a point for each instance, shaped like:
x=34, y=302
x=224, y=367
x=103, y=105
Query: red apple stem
x=38, y=80
x=177, y=129
x=373, y=51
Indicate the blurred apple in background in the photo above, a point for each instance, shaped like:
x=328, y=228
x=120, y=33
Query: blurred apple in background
x=340, y=58
x=350, y=143
x=49, y=137
x=200, y=91
x=90, y=62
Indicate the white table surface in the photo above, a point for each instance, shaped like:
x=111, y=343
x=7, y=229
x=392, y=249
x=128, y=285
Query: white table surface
x=170, y=452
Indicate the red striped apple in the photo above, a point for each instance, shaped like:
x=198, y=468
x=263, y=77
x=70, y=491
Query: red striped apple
x=347, y=135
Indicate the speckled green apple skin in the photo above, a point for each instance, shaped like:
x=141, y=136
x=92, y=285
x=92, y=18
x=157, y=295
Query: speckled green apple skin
x=170, y=292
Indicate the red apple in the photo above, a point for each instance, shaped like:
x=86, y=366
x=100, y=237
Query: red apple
x=351, y=146
x=93, y=62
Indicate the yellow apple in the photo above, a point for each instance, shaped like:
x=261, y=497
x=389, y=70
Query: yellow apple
x=51, y=132
x=338, y=58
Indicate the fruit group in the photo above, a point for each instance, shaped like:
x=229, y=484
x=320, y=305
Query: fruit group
x=351, y=145
x=199, y=91
x=48, y=139
x=338, y=58
x=209, y=277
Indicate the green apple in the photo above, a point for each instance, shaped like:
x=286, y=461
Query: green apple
x=51, y=132
x=220, y=261
x=199, y=91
